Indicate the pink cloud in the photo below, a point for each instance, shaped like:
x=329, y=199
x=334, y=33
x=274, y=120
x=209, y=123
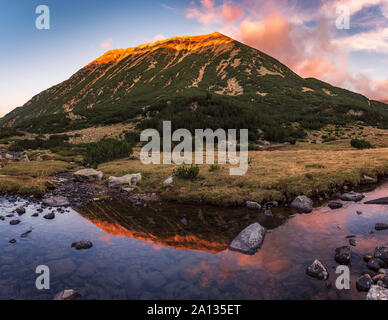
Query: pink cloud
x=208, y=12
x=231, y=12
x=107, y=44
x=308, y=51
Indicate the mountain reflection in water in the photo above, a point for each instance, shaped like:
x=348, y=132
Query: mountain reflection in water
x=207, y=229
x=172, y=251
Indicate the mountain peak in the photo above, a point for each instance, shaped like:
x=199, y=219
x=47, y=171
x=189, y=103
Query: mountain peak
x=183, y=43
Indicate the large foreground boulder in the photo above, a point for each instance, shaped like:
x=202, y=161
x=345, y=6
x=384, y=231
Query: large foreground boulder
x=352, y=196
x=303, y=204
x=377, y=293
x=250, y=240
x=88, y=175
x=127, y=180
x=317, y=270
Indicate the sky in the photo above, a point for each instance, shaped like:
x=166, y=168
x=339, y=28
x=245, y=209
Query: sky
x=303, y=34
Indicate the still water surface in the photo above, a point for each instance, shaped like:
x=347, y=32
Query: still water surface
x=180, y=252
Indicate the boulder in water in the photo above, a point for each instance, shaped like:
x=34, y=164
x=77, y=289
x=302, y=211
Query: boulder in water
x=250, y=240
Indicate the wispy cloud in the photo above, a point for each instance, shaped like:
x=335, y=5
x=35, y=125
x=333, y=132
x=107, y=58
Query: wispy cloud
x=107, y=44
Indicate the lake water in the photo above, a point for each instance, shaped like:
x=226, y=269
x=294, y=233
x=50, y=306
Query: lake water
x=170, y=251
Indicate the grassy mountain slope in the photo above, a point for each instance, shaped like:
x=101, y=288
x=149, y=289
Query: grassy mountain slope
x=197, y=82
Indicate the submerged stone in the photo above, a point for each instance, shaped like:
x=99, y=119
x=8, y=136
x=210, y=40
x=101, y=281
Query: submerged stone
x=82, y=245
x=49, y=216
x=381, y=226
x=335, y=205
x=14, y=222
x=381, y=201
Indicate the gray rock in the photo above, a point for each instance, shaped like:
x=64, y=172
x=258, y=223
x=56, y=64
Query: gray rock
x=253, y=205
x=303, y=204
x=168, y=181
x=271, y=204
x=381, y=201
x=370, y=180
x=377, y=293
x=317, y=270
x=352, y=196
x=14, y=222
x=250, y=240
x=82, y=245
x=335, y=205
x=20, y=211
x=383, y=271
x=384, y=282
x=25, y=234
x=12, y=241
x=381, y=226
x=374, y=264
x=268, y=213
x=364, y=283
x=67, y=295
x=57, y=201
x=381, y=253
x=88, y=175
x=49, y=216
x=24, y=158
x=342, y=255
x=127, y=180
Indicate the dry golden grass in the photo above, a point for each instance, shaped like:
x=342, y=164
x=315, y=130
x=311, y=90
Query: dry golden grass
x=277, y=175
x=29, y=177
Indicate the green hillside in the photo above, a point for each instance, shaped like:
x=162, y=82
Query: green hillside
x=208, y=81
